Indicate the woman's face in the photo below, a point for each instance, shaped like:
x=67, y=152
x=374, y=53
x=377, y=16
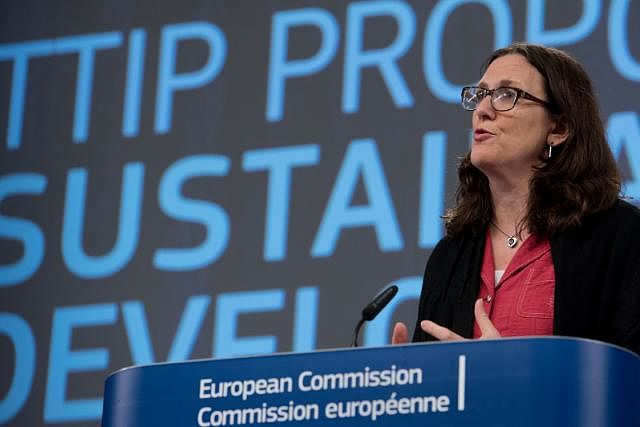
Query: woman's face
x=507, y=144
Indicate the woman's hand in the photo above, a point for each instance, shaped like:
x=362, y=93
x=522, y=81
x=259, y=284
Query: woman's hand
x=487, y=330
x=400, y=334
x=443, y=334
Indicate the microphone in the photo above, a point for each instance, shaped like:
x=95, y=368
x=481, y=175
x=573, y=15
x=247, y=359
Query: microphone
x=373, y=308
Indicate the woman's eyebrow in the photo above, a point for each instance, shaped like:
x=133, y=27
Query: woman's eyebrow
x=501, y=83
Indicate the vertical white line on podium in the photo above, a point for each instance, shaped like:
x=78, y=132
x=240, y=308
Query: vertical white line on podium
x=462, y=367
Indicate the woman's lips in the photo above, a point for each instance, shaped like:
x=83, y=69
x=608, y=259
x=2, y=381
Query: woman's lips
x=480, y=135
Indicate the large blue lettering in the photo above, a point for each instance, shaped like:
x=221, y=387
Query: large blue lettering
x=356, y=58
x=229, y=306
x=361, y=159
x=279, y=162
x=137, y=328
x=618, y=34
x=133, y=89
x=305, y=319
x=211, y=215
x=623, y=130
x=432, y=52
x=64, y=361
x=135, y=323
x=280, y=69
x=188, y=328
x=536, y=33
x=76, y=259
x=434, y=152
x=86, y=47
x=20, y=229
x=19, y=332
x=20, y=53
x=169, y=81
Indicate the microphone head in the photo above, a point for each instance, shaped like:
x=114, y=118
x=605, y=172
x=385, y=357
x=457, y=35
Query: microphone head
x=379, y=302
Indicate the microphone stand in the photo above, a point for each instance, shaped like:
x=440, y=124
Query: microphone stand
x=356, y=332
x=372, y=309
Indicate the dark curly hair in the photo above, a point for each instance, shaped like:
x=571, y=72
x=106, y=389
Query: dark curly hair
x=582, y=176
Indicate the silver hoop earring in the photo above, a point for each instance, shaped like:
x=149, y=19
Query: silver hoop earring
x=549, y=154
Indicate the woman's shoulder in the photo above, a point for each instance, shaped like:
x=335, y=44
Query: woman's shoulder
x=620, y=221
x=621, y=215
x=450, y=248
x=450, y=242
x=622, y=207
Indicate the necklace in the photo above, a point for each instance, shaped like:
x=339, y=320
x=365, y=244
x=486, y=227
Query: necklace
x=512, y=239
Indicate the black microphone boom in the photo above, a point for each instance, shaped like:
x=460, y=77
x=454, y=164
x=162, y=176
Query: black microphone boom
x=379, y=302
x=373, y=308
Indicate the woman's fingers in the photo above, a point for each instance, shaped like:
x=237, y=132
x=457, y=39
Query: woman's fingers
x=439, y=332
x=487, y=330
x=400, y=334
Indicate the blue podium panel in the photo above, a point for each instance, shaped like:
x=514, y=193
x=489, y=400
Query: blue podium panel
x=509, y=382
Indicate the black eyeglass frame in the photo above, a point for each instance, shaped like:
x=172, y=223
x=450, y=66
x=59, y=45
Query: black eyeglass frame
x=489, y=92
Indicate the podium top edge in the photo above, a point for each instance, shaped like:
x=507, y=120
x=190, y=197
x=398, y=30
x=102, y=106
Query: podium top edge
x=476, y=342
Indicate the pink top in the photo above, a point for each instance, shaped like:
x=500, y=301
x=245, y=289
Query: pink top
x=522, y=301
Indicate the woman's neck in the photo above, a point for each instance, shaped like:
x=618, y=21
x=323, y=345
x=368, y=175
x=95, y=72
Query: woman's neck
x=509, y=204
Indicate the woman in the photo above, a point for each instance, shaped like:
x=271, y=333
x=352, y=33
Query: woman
x=539, y=242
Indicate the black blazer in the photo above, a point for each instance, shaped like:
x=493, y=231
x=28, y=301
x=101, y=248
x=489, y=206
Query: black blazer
x=597, y=271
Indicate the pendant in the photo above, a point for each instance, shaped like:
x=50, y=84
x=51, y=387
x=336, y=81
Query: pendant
x=512, y=241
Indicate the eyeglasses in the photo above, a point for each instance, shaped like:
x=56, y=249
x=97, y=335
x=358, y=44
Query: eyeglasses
x=502, y=98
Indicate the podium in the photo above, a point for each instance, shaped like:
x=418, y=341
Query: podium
x=542, y=381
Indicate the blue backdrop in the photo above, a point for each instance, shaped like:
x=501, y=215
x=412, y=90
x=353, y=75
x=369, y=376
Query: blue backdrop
x=206, y=178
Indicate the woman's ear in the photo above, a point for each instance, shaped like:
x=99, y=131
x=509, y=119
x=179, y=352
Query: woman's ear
x=559, y=133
